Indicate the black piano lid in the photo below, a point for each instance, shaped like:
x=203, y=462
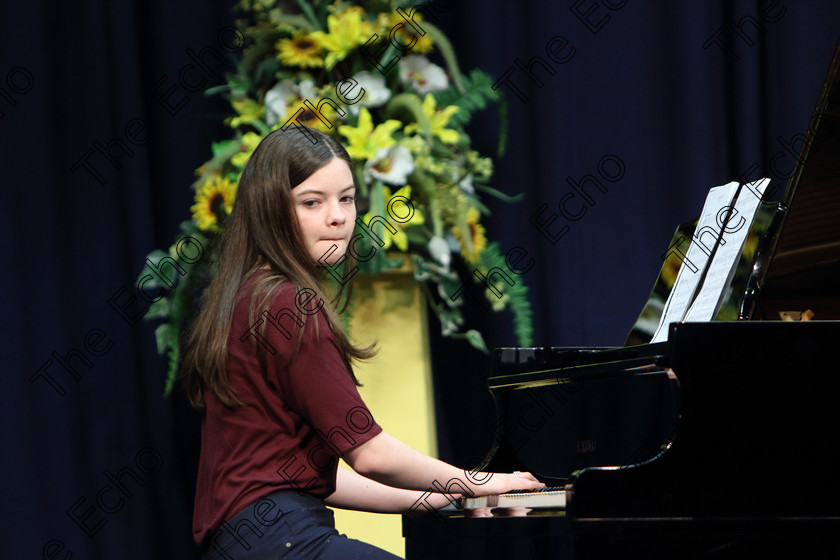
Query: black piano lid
x=791, y=260
x=802, y=264
x=810, y=231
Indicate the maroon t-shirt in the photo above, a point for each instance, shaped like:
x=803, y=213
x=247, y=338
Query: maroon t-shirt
x=297, y=419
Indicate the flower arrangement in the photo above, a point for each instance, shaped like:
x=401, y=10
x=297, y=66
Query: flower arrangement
x=363, y=72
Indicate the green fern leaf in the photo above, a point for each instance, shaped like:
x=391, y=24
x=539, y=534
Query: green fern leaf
x=517, y=296
x=478, y=93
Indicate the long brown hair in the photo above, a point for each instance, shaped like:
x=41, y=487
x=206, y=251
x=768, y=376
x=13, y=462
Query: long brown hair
x=262, y=230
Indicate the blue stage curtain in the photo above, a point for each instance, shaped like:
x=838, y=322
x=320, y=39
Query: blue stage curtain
x=104, y=122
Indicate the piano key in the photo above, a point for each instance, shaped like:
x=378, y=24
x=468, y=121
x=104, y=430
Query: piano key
x=549, y=497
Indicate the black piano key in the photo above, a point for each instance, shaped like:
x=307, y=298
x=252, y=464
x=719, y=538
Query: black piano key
x=537, y=490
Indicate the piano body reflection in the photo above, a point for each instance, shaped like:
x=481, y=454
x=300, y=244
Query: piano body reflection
x=716, y=443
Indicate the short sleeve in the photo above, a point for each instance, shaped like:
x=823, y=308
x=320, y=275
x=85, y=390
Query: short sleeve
x=316, y=383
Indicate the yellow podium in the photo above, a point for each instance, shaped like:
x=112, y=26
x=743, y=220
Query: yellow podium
x=390, y=309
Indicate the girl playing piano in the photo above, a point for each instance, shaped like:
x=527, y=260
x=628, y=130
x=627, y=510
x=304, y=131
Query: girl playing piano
x=270, y=366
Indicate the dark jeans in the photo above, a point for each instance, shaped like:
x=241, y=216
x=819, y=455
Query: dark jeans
x=286, y=525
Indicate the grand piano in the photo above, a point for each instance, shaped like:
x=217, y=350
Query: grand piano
x=717, y=443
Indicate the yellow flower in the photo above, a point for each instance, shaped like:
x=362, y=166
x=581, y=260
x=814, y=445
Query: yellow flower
x=348, y=29
x=437, y=121
x=406, y=35
x=423, y=45
x=400, y=210
x=301, y=50
x=481, y=166
x=210, y=198
x=364, y=140
x=250, y=141
x=248, y=109
x=308, y=117
x=497, y=303
x=384, y=22
x=477, y=242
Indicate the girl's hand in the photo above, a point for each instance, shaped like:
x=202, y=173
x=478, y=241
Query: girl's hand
x=499, y=483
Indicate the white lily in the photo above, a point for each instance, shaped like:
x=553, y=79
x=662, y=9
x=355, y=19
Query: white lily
x=424, y=76
x=466, y=184
x=440, y=251
x=278, y=98
x=390, y=165
x=306, y=90
x=376, y=92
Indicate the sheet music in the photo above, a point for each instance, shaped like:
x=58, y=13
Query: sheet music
x=695, y=260
x=725, y=260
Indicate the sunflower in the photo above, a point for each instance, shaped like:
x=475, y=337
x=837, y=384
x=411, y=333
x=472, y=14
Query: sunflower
x=308, y=117
x=213, y=201
x=300, y=50
x=477, y=242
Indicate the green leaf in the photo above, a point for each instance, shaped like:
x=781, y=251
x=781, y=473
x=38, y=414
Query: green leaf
x=190, y=228
x=295, y=20
x=309, y=13
x=223, y=147
x=410, y=105
x=226, y=150
x=503, y=127
x=216, y=89
x=145, y=278
x=266, y=70
x=160, y=309
x=445, y=47
x=518, y=302
x=172, y=371
x=450, y=320
x=476, y=94
x=476, y=340
x=239, y=86
x=156, y=255
x=165, y=337
x=498, y=194
x=416, y=235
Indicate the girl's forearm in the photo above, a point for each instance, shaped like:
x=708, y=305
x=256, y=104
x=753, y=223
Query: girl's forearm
x=356, y=492
x=390, y=461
